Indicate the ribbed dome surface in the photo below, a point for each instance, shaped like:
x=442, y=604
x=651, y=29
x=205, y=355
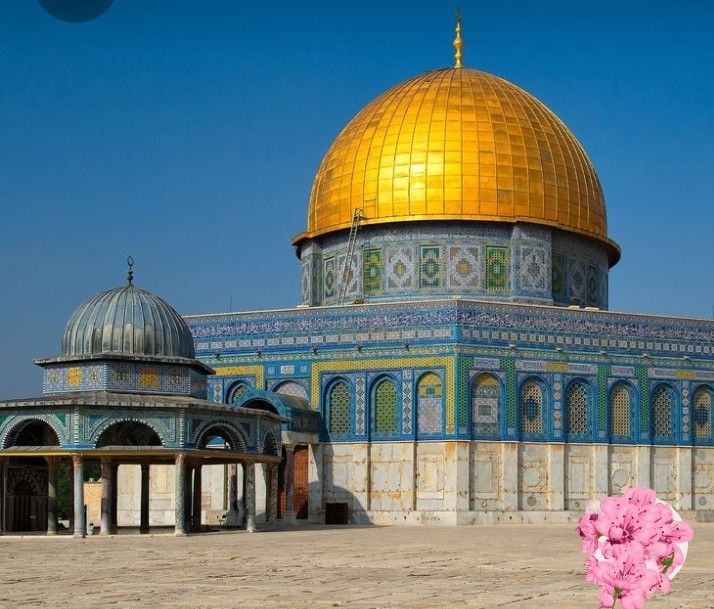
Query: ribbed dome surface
x=458, y=144
x=129, y=321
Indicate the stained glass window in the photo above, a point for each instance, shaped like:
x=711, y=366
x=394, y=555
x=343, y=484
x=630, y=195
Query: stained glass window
x=385, y=408
x=430, y=404
x=531, y=408
x=578, y=398
x=485, y=405
x=702, y=413
x=339, y=408
x=662, y=406
x=620, y=406
x=237, y=390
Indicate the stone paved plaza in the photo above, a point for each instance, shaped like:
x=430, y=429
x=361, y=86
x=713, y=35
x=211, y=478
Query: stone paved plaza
x=511, y=566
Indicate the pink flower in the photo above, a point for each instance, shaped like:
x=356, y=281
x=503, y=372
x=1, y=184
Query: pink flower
x=623, y=524
x=588, y=532
x=624, y=576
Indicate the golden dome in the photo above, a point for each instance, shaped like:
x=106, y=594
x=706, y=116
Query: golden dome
x=458, y=144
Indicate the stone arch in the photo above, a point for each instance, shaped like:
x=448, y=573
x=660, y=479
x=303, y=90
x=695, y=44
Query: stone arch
x=236, y=389
x=127, y=432
x=663, y=401
x=621, y=410
x=270, y=444
x=578, y=409
x=259, y=399
x=15, y=428
x=221, y=429
x=291, y=388
x=486, y=404
x=338, y=406
x=532, y=407
x=430, y=404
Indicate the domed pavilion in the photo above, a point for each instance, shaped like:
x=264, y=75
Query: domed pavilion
x=127, y=389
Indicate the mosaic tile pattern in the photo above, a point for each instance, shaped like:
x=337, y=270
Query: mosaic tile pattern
x=496, y=268
x=558, y=278
x=373, y=271
x=360, y=406
x=292, y=388
x=430, y=267
x=533, y=268
x=400, y=268
x=463, y=268
x=407, y=401
x=329, y=279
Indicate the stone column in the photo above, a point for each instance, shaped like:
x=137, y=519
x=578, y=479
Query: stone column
x=272, y=500
x=3, y=478
x=180, y=495
x=684, y=478
x=108, y=483
x=643, y=465
x=249, y=496
x=196, y=504
x=289, y=515
x=233, y=487
x=601, y=471
x=70, y=477
x=51, y=495
x=114, y=495
x=80, y=522
x=144, y=511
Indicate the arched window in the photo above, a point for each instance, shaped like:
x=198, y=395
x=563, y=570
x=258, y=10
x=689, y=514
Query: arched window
x=430, y=404
x=338, y=409
x=485, y=405
x=662, y=410
x=620, y=410
x=291, y=388
x=237, y=390
x=702, y=413
x=531, y=408
x=385, y=408
x=578, y=409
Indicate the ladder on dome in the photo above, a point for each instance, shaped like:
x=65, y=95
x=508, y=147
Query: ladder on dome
x=350, y=253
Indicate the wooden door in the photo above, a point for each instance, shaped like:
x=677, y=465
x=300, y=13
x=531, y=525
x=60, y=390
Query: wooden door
x=300, y=481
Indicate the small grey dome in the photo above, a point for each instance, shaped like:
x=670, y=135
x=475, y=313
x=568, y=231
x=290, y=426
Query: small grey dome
x=129, y=321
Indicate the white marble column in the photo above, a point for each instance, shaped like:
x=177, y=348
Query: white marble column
x=80, y=521
x=108, y=482
x=180, y=496
x=249, y=496
x=51, y=495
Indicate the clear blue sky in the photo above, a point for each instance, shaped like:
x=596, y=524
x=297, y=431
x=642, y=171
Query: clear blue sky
x=187, y=134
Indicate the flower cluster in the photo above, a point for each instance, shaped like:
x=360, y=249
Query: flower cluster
x=637, y=545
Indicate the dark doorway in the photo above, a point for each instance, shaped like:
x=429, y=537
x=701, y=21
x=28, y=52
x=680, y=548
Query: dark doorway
x=26, y=499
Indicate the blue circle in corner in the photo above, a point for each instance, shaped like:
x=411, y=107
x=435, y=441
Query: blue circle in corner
x=76, y=11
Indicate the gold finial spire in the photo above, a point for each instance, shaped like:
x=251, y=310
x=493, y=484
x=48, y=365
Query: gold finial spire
x=458, y=41
x=130, y=272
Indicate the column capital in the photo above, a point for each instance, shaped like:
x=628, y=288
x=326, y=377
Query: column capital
x=77, y=460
